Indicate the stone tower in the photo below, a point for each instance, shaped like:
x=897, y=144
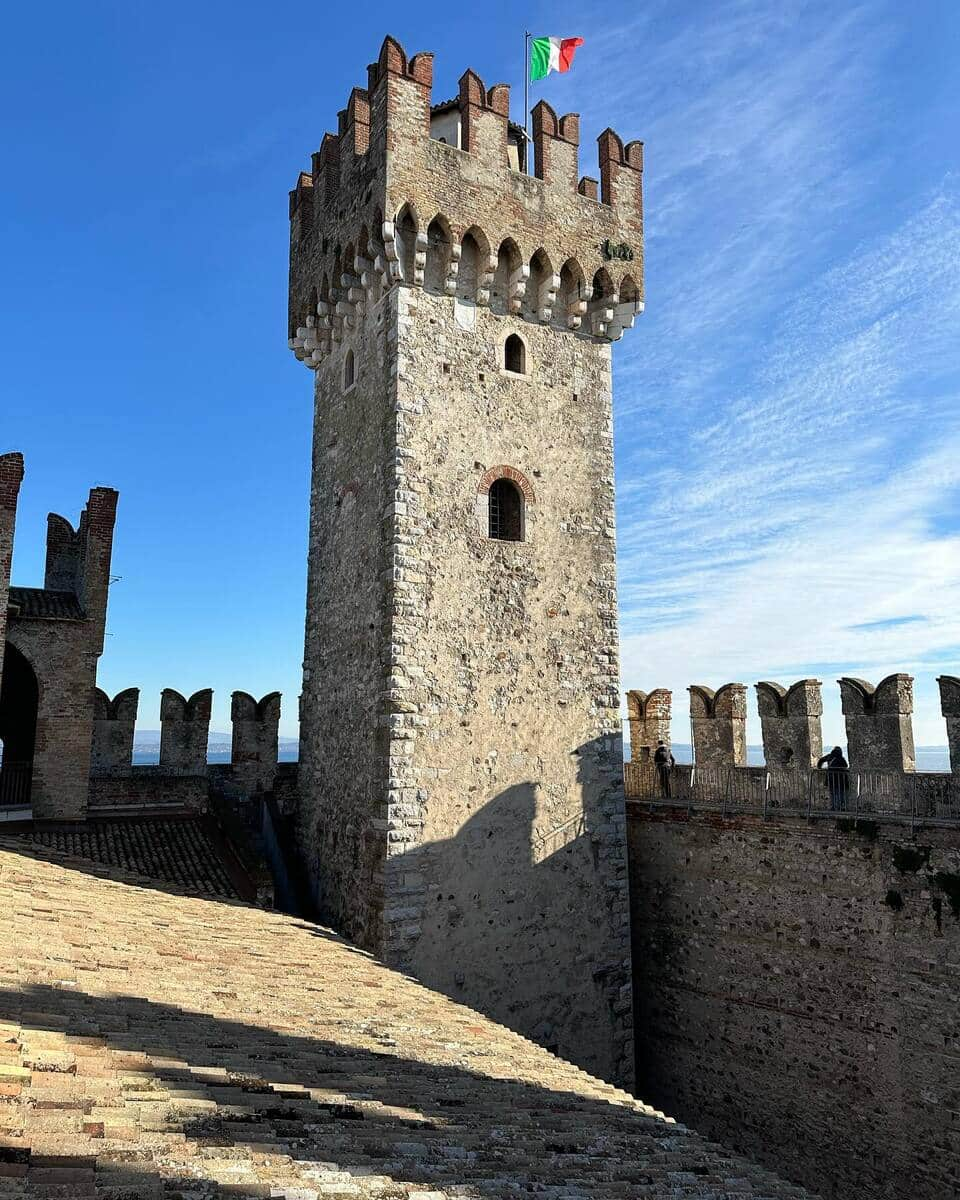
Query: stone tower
x=462, y=807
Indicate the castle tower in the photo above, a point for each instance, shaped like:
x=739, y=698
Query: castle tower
x=462, y=807
x=50, y=647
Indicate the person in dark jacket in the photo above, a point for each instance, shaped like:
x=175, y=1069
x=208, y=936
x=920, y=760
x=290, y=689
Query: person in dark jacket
x=663, y=760
x=838, y=778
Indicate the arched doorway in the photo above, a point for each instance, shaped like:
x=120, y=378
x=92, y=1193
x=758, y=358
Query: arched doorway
x=19, y=699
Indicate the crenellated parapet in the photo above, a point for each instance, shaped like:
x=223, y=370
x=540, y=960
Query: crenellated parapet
x=649, y=718
x=950, y=707
x=879, y=723
x=790, y=720
x=255, y=742
x=408, y=193
x=719, y=724
x=114, y=722
x=185, y=730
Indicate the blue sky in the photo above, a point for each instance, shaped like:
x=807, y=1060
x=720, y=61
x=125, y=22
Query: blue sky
x=788, y=426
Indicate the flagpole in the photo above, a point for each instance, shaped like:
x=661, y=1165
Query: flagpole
x=526, y=86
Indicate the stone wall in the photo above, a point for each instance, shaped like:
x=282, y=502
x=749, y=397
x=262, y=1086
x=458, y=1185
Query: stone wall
x=795, y=993
x=718, y=723
x=879, y=723
x=507, y=868
x=255, y=741
x=185, y=730
x=148, y=788
x=114, y=722
x=950, y=707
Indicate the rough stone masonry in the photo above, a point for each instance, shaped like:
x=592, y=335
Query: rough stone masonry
x=462, y=806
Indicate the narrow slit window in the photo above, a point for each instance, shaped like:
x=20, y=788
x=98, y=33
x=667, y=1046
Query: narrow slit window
x=515, y=355
x=506, y=511
x=349, y=370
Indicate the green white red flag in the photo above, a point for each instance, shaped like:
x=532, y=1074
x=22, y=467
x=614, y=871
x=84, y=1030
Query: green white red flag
x=552, y=54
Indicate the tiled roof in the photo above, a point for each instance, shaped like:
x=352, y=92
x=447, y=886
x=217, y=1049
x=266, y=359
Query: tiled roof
x=171, y=849
x=44, y=604
x=156, y=1045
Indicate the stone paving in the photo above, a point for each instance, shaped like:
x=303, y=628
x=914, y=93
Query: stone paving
x=153, y=1044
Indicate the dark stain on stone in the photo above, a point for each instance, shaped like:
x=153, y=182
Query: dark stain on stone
x=910, y=858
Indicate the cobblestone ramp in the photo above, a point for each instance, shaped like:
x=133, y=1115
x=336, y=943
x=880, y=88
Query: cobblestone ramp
x=160, y=1045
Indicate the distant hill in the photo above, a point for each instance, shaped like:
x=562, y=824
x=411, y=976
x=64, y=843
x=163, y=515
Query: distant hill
x=145, y=740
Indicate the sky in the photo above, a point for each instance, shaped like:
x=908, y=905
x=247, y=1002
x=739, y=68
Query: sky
x=787, y=415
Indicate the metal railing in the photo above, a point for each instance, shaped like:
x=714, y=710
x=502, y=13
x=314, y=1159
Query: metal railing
x=916, y=797
x=15, y=779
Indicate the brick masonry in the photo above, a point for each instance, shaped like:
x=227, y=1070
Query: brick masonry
x=59, y=632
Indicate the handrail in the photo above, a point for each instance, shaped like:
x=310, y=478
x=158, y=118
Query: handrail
x=921, y=797
x=15, y=783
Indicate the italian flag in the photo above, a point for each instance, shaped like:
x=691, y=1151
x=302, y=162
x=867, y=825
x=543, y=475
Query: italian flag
x=552, y=54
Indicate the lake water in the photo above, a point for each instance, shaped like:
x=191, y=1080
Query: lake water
x=929, y=758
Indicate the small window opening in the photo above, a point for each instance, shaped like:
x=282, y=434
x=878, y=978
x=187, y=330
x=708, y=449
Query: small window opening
x=515, y=354
x=349, y=370
x=506, y=511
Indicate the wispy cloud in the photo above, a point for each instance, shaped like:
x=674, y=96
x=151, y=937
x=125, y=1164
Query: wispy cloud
x=788, y=424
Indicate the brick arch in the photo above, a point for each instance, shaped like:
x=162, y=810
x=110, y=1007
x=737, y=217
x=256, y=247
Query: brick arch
x=504, y=472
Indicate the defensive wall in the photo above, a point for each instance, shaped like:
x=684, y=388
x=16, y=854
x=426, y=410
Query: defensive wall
x=796, y=943
x=67, y=747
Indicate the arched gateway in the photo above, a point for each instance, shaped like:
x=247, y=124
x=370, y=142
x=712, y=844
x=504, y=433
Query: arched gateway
x=19, y=701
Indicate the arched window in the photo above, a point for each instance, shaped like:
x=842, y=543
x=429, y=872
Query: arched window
x=515, y=354
x=505, y=508
x=349, y=370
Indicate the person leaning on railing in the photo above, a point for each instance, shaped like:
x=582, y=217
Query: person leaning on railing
x=838, y=778
x=663, y=760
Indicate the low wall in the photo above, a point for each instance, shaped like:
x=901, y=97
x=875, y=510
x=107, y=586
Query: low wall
x=285, y=787
x=148, y=788
x=796, y=993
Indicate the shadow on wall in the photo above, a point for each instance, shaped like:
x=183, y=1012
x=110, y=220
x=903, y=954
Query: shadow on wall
x=243, y=1088
x=521, y=918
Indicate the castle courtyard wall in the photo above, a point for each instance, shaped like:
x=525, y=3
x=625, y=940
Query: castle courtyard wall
x=796, y=994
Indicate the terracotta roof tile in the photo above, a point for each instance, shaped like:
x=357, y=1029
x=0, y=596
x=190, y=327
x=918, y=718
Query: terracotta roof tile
x=170, y=849
x=44, y=605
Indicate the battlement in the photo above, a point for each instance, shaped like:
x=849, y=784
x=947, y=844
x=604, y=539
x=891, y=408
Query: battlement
x=436, y=196
x=184, y=733
x=878, y=720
